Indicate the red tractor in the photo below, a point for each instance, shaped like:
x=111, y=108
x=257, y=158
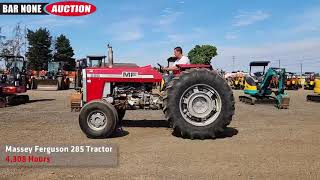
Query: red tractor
x=197, y=101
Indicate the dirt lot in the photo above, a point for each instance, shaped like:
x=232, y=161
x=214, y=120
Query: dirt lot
x=261, y=143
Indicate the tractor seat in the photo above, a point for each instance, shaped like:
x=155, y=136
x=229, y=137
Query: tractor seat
x=258, y=76
x=251, y=81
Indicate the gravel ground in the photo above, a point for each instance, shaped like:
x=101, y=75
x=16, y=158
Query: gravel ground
x=262, y=142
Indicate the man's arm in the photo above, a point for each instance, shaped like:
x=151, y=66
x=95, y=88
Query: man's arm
x=170, y=68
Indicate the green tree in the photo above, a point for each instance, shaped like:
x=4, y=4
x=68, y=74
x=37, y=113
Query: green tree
x=7, y=47
x=202, y=54
x=64, y=52
x=39, y=51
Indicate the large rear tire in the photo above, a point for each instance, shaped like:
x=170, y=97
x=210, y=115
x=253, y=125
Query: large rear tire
x=199, y=104
x=98, y=119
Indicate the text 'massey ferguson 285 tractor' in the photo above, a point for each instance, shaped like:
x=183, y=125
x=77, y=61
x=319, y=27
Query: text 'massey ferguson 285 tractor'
x=197, y=102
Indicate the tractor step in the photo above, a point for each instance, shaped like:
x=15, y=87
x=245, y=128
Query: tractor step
x=314, y=98
x=75, y=107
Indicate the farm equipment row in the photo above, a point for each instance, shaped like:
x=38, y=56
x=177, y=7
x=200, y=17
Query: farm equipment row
x=292, y=81
x=56, y=78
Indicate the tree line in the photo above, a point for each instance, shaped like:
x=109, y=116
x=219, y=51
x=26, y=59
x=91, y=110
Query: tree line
x=41, y=49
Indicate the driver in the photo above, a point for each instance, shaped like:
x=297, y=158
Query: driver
x=181, y=59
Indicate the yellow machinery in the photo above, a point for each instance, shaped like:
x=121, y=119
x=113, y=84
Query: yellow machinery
x=292, y=81
x=237, y=82
x=309, y=83
x=316, y=96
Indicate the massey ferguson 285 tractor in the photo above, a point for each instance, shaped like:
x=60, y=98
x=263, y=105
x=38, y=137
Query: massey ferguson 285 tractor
x=197, y=102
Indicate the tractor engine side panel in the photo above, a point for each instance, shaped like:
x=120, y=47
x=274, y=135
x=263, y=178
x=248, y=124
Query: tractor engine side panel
x=97, y=79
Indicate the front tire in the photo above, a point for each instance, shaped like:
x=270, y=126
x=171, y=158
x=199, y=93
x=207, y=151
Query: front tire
x=98, y=119
x=199, y=104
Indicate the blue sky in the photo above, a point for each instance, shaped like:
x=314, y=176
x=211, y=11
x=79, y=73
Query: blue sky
x=145, y=31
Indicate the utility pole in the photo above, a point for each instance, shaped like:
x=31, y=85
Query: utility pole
x=18, y=43
x=279, y=63
x=233, y=60
x=1, y=38
x=301, y=69
x=25, y=42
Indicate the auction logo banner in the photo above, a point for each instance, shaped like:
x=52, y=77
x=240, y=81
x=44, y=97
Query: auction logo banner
x=62, y=8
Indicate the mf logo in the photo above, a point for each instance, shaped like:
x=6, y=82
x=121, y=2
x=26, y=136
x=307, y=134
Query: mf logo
x=129, y=74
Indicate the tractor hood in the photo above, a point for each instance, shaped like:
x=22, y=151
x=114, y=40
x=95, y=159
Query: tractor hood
x=145, y=74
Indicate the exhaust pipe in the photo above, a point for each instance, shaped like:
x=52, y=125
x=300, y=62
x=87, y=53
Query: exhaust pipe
x=110, y=56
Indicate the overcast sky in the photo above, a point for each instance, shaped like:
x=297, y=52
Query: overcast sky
x=146, y=31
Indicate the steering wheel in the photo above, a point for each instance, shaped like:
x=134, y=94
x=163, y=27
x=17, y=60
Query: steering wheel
x=160, y=67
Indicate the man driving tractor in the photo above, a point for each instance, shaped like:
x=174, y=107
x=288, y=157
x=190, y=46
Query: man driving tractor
x=181, y=59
